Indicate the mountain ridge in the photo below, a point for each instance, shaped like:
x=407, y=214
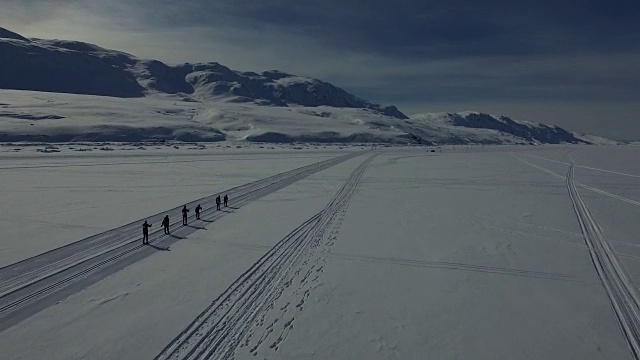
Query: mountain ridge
x=81, y=68
x=224, y=104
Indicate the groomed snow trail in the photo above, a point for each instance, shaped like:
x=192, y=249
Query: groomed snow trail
x=33, y=284
x=257, y=312
x=619, y=288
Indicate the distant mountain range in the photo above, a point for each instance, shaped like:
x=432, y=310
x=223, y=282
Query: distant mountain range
x=244, y=99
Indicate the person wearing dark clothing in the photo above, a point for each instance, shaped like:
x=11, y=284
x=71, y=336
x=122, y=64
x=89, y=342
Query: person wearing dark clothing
x=145, y=233
x=165, y=224
x=218, y=203
x=184, y=215
x=198, y=208
x=226, y=200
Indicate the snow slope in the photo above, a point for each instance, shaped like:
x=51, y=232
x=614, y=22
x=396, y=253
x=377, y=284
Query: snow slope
x=474, y=127
x=54, y=117
x=81, y=68
x=492, y=251
x=46, y=67
x=137, y=99
x=595, y=139
x=6, y=34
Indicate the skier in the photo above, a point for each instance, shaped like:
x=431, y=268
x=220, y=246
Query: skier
x=145, y=233
x=184, y=215
x=226, y=200
x=198, y=208
x=218, y=203
x=165, y=224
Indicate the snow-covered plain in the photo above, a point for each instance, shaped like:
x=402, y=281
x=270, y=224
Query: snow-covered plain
x=50, y=200
x=473, y=252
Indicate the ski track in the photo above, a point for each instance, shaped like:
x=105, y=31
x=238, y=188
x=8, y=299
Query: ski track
x=613, y=276
x=258, y=311
x=619, y=288
x=144, y=159
x=583, y=167
x=596, y=190
x=523, y=235
x=462, y=267
x=30, y=285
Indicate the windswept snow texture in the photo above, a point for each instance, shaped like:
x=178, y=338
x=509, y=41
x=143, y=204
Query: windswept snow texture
x=500, y=252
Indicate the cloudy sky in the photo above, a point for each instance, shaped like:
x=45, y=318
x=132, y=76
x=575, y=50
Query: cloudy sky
x=574, y=63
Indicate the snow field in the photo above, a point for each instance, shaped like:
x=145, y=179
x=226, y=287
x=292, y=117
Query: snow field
x=440, y=255
x=474, y=254
x=185, y=280
x=48, y=206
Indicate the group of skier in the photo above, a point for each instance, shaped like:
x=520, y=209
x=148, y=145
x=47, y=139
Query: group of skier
x=185, y=211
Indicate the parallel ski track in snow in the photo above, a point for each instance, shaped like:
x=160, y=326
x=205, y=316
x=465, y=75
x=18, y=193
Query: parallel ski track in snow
x=596, y=190
x=619, y=288
x=614, y=278
x=231, y=319
x=584, y=167
x=462, y=267
x=33, y=279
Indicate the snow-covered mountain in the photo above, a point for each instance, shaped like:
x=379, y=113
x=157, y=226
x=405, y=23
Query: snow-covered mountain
x=55, y=117
x=475, y=127
x=6, y=34
x=74, y=91
x=81, y=68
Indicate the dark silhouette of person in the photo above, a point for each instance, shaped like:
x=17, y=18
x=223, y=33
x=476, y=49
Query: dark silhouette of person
x=218, y=203
x=165, y=224
x=226, y=200
x=145, y=233
x=184, y=215
x=198, y=208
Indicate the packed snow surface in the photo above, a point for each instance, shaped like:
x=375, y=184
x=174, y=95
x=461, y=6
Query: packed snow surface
x=485, y=252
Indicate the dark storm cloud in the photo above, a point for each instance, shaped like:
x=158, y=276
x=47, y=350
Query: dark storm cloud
x=444, y=28
x=438, y=29
x=434, y=29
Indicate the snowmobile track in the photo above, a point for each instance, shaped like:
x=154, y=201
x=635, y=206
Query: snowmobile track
x=33, y=284
x=583, y=166
x=596, y=190
x=619, y=288
x=229, y=324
